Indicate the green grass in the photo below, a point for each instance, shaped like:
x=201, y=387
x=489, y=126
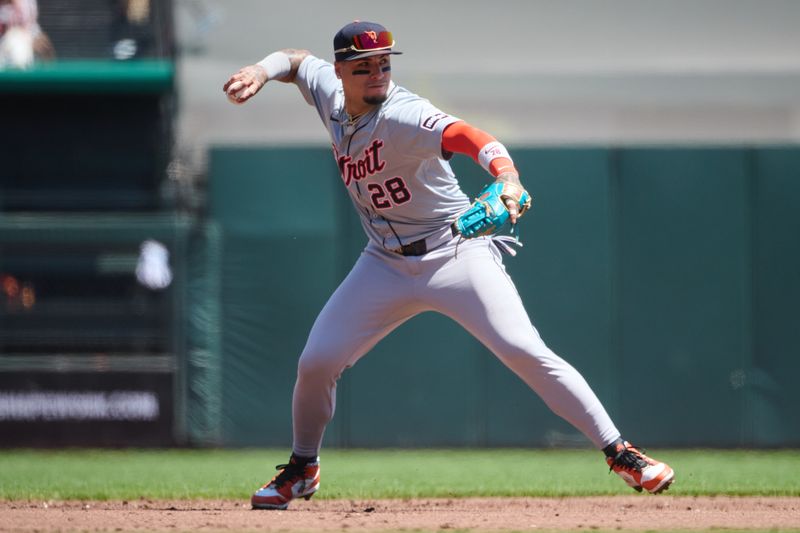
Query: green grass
x=234, y=474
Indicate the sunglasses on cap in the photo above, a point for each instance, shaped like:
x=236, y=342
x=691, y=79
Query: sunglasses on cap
x=368, y=41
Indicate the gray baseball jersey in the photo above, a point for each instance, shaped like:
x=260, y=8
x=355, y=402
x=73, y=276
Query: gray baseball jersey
x=390, y=159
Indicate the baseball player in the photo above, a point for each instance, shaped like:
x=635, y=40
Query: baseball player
x=424, y=251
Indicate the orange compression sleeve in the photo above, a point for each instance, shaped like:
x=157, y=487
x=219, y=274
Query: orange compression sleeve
x=462, y=138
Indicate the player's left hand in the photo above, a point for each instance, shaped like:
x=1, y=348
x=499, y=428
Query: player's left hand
x=514, y=196
x=492, y=209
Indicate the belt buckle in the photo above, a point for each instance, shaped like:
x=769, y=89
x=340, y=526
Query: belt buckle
x=415, y=248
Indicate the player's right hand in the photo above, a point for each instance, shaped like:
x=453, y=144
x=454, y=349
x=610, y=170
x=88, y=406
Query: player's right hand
x=245, y=84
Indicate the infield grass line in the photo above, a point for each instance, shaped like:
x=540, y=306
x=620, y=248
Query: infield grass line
x=379, y=474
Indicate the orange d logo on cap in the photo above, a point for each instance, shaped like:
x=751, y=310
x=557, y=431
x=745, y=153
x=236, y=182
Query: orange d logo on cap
x=361, y=39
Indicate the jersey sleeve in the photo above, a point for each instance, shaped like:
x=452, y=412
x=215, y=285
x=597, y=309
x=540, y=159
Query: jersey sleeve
x=318, y=83
x=418, y=127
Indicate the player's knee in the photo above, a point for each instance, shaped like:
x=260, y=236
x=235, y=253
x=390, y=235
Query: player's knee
x=318, y=364
x=523, y=352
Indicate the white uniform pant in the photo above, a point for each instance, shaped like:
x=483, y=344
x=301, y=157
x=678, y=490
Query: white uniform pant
x=469, y=285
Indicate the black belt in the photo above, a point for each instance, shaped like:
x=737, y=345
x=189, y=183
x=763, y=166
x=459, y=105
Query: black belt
x=420, y=247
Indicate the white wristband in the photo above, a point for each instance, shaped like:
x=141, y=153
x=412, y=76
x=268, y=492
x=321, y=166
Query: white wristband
x=277, y=65
x=492, y=151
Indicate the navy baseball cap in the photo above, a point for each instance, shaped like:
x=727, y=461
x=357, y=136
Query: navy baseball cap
x=362, y=39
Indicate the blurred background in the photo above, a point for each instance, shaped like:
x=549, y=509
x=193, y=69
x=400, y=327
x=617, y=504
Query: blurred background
x=164, y=253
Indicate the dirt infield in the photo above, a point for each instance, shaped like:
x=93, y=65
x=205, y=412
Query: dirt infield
x=641, y=512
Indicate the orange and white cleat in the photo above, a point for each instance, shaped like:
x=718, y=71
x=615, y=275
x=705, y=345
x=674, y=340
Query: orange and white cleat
x=293, y=481
x=640, y=471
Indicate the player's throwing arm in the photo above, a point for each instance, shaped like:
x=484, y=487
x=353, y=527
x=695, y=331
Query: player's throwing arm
x=279, y=66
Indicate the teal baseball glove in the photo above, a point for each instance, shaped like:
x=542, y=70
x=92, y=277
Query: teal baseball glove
x=489, y=212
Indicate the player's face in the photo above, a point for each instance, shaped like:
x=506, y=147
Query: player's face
x=365, y=81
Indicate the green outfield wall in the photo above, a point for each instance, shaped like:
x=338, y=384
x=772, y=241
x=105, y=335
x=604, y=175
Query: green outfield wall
x=668, y=276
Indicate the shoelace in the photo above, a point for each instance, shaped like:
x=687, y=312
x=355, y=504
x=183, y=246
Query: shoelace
x=287, y=473
x=628, y=458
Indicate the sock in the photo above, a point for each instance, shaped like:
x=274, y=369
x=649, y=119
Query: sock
x=296, y=459
x=611, y=449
